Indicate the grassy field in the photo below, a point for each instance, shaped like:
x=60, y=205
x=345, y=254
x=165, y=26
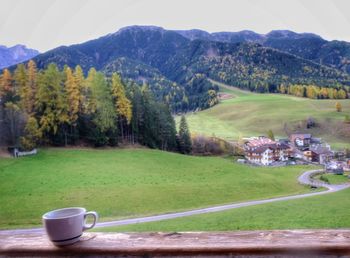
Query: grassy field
x=327, y=211
x=335, y=179
x=248, y=114
x=130, y=182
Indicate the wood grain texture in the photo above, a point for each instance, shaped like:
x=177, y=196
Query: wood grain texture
x=293, y=243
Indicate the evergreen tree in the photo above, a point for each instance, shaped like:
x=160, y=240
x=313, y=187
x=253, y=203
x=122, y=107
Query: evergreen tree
x=32, y=134
x=14, y=121
x=87, y=107
x=185, y=144
x=149, y=124
x=270, y=135
x=104, y=130
x=167, y=130
x=137, y=112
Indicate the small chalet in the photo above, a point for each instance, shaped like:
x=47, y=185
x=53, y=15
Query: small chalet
x=322, y=154
x=300, y=141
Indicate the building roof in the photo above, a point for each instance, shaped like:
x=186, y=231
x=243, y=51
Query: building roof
x=260, y=141
x=300, y=135
x=316, y=140
x=321, y=150
x=263, y=148
x=284, y=141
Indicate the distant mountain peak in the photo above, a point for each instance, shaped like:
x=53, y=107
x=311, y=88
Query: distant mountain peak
x=194, y=34
x=290, y=34
x=140, y=28
x=281, y=33
x=16, y=54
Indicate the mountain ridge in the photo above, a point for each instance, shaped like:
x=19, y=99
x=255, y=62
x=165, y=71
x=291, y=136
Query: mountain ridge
x=177, y=67
x=334, y=53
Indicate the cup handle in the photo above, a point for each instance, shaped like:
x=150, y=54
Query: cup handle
x=94, y=214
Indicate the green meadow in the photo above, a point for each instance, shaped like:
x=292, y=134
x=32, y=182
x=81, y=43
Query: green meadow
x=121, y=183
x=334, y=179
x=325, y=211
x=250, y=114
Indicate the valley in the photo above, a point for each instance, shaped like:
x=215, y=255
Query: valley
x=109, y=104
x=251, y=114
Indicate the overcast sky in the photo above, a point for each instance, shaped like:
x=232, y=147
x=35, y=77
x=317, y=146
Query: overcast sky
x=46, y=24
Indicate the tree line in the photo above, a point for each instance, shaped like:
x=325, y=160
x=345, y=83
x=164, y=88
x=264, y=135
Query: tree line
x=314, y=92
x=62, y=107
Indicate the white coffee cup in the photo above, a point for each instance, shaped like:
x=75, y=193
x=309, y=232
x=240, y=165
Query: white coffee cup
x=65, y=226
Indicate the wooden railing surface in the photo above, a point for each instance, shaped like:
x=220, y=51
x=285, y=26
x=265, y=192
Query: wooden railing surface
x=281, y=243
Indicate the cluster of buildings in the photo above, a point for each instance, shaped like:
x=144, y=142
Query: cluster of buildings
x=264, y=151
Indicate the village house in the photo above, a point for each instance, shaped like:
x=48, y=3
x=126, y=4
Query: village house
x=300, y=141
x=310, y=149
x=263, y=151
x=322, y=154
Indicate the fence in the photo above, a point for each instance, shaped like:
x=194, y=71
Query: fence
x=18, y=153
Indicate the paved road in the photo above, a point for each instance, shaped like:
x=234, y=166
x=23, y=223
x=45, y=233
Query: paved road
x=305, y=179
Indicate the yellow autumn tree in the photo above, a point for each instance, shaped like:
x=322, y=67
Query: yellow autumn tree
x=88, y=99
x=73, y=96
x=80, y=83
x=31, y=86
x=6, y=88
x=311, y=92
x=122, y=104
x=341, y=94
x=51, y=100
x=20, y=84
x=338, y=107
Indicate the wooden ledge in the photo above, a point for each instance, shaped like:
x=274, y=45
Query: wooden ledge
x=307, y=243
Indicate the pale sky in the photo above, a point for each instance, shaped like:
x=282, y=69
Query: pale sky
x=46, y=24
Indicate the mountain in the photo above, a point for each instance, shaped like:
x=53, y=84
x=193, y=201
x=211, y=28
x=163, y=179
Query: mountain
x=176, y=64
x=335, y=54
x=14, y=55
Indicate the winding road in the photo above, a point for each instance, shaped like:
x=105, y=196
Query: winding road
x=305, y=179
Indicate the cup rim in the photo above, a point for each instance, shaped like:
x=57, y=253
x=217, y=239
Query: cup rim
x=82, y=210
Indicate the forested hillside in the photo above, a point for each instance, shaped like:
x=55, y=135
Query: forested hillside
x=176, y=66
x=335, y=54
x=252, y=67
x=55, y=106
